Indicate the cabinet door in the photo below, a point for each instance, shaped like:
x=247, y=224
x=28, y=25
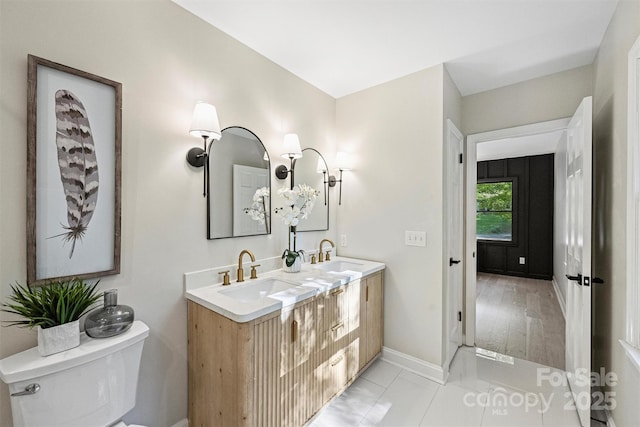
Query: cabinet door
x=362, y=325
x=298, y=335
x=370, y=330
x=264, y=394
x=300, y=393
x=374, y=303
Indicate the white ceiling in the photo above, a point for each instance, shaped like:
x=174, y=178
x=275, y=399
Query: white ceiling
x=343, y=46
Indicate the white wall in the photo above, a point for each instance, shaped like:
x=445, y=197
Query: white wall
x=546, y=98
x=609, y=244
x=166, y=59
x=396, y=185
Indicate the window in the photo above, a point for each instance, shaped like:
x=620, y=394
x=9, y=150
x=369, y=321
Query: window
x=494, y=212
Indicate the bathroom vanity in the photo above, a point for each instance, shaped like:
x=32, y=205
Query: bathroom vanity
x=273, y=351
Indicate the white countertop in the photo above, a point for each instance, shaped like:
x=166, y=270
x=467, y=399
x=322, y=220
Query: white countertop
x=248, y=300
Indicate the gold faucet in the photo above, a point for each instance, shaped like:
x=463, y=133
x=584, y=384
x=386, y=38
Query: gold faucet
x=240, y=270
x=321, y=257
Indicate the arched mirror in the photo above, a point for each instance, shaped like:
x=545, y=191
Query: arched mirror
x=239, y=187
x=311, y=169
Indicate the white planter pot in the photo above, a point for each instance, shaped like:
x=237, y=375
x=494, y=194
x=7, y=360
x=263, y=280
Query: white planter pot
x=295, y=267
x=58, y=338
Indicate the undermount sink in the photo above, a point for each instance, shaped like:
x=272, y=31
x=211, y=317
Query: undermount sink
x=340, y=267
x=322, y=280
x=255, y=290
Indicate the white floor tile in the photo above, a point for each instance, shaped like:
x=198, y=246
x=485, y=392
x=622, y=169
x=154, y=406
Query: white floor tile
x=511, y=408
x=350, y=408
x=334, y=417
x=464, y=371
x=454, y=406
x=479, y=392
x=404, y=403
x=558, y=409
x=382, y=373
x=520, y=375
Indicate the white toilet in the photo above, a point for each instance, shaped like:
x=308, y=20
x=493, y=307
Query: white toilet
x=90, y=385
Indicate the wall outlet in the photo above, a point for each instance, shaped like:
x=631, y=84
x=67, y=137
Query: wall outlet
x=415, y=238
x=343, y=240
x=522, y=262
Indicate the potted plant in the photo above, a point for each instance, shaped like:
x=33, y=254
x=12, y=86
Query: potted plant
x=300, y=200
x=292, y=260
x=54, y=309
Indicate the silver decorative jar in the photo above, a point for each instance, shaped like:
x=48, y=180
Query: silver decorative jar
x=110, y=320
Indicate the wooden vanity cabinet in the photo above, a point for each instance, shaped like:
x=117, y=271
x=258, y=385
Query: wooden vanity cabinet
x=280, y=369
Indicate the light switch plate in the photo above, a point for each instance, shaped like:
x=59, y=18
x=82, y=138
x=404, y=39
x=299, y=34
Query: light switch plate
x=522, y=261
x=415, y=238
x=343, y=240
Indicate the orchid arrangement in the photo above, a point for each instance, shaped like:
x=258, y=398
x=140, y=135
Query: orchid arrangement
x=258, y=210
x=300, y=200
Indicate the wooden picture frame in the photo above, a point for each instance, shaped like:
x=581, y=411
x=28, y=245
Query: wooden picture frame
x=74, y=148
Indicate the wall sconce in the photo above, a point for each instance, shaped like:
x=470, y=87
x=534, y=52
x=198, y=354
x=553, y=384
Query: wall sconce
x=204, y=124
x=291, y=150
x=321, y=168
x=343, y=163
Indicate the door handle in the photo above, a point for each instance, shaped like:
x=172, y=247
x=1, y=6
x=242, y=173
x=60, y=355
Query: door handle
x=597, y=280
x=577, y=278
x=294, y=331
x=453, y=261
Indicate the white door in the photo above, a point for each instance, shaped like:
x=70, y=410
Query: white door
x=578, y=327
x=246, y=180
x=455, y=226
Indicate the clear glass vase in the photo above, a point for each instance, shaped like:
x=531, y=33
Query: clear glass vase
x=110, y=320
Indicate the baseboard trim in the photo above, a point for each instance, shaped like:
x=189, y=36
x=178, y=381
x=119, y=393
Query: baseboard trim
x=556, y=289
x=413, y=364
x=182, y=423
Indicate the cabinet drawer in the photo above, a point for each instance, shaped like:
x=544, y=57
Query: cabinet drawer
x=336, y=374
x=334, y=314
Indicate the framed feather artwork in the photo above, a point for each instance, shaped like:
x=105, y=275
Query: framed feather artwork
x=74, y=126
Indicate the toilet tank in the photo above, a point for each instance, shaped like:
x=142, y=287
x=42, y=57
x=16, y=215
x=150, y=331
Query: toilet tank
x=90, y=385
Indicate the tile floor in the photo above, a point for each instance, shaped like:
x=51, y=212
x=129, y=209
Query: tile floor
x=484, y=389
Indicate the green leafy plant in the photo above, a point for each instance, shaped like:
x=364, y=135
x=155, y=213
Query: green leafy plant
x=52, y=305
x=290, y=256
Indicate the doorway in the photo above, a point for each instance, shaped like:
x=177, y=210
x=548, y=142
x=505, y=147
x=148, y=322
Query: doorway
x=503, y=141
x=518, y=312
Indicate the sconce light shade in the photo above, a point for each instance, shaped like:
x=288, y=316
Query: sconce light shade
x=205, y=122
x=291, y=148
x=343, y=161
x=205, y=125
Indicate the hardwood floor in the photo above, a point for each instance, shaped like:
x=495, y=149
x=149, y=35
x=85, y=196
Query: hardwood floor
x=520, y=317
